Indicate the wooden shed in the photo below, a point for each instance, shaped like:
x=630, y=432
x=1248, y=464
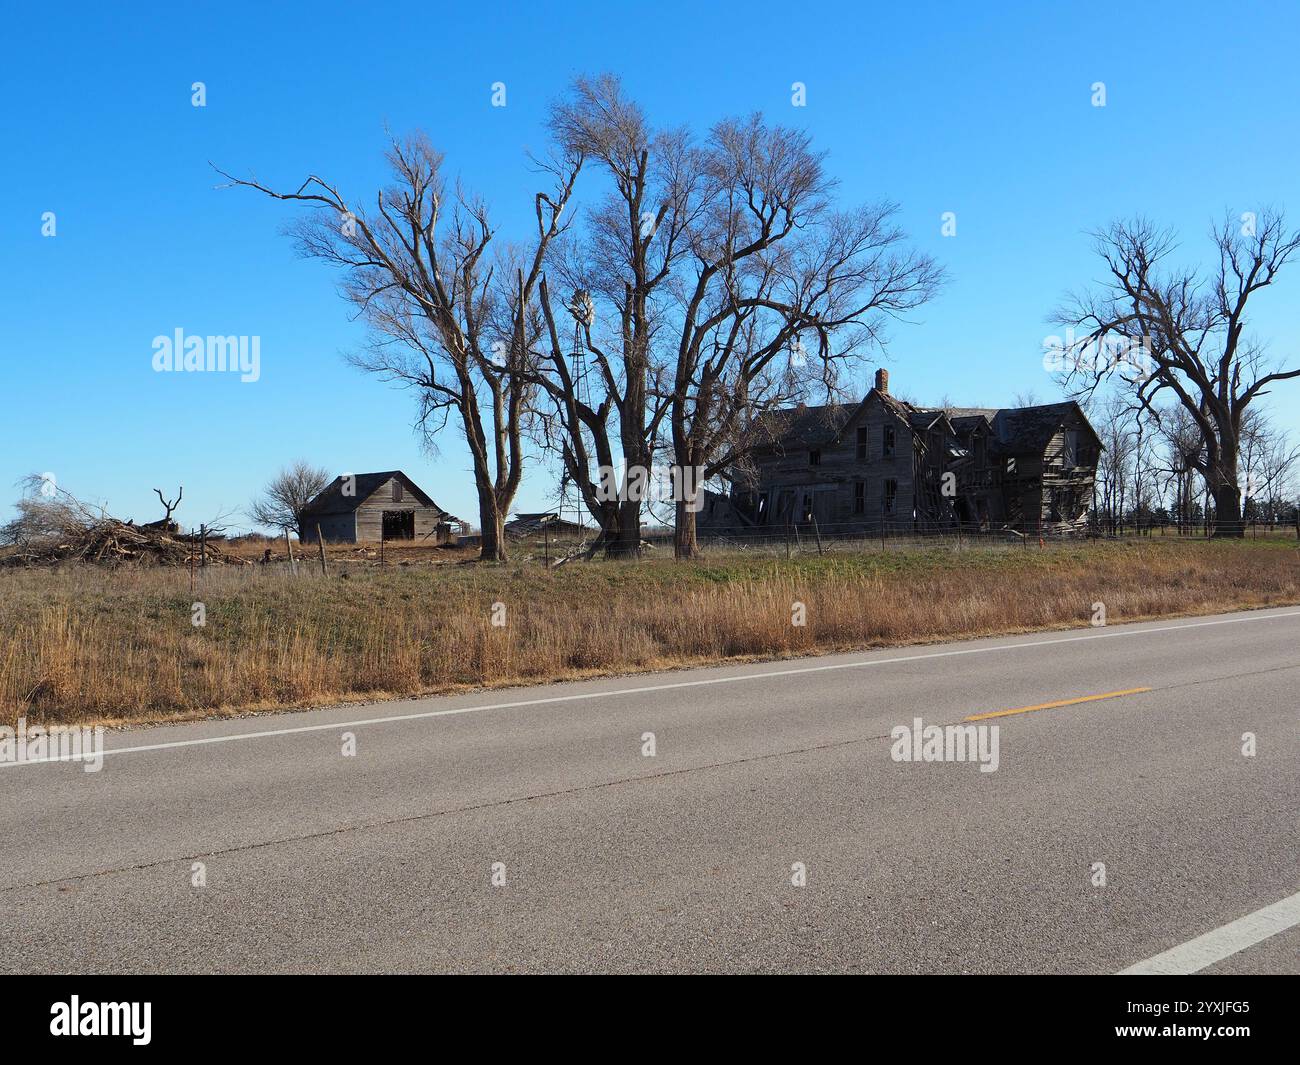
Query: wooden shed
x=369, y=507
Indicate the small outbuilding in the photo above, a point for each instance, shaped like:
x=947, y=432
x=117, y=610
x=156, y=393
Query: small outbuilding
x=369, y=507
x=543, y=523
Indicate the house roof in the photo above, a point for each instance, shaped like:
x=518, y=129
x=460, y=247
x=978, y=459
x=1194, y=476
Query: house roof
x=1016, y=429
x=332, y=500
x=1030, y=428
x=803, y=425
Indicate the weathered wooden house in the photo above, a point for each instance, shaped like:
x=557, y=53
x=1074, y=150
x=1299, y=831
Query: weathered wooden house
x=887, y=463
x=369, y=507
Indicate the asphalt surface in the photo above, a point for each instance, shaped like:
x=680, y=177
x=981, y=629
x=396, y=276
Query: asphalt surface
x=682, y=861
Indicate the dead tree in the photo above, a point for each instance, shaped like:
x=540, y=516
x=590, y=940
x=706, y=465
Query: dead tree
x=726, y=284
x=1170, y=330
x=169, y=507
x=447, y=319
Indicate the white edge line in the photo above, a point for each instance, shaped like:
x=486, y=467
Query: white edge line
x=335, y=726
x=1234, y=937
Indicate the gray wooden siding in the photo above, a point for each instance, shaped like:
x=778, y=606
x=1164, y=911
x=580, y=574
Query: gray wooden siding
x=334, y=528
x=370, y=513
x=787, y=478
x=365, y=524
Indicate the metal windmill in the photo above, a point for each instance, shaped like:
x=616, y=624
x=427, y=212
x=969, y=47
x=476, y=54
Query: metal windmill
x=583, y=311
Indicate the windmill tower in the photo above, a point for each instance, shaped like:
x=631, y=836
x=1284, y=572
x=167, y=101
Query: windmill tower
x=583, y=311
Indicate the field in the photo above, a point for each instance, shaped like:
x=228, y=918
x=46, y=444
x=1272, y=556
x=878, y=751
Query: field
x=82, y=643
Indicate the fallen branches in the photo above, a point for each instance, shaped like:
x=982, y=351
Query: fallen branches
x=53, y=527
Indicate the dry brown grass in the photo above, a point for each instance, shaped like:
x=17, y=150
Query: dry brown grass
x=81, y=644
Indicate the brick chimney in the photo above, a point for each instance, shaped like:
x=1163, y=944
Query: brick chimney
x=882, y=381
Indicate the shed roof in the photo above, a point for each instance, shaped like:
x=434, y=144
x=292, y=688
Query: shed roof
x=332, y=500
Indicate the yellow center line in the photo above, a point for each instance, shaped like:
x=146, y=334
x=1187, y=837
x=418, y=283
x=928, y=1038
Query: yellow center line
x=1060, y=702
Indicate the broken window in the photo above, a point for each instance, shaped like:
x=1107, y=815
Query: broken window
x=887, y=450
x=397, y=490
x=815, y=457
x=862, y=443
x=859, y=497
x=1070, y=452
x=891, y=494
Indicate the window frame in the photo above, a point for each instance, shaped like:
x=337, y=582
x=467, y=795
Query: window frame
x=889, y=494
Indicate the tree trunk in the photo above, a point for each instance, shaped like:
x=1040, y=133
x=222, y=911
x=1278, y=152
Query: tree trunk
x=1227, y=493
x=491, y=522
x=626, y=539
x=685, y=542
x=493, y=547
x=1227, y=511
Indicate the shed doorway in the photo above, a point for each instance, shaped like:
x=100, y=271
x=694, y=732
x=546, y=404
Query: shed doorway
x=399, y=525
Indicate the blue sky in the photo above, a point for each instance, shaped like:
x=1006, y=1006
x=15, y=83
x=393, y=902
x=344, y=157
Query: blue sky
x=983, y=110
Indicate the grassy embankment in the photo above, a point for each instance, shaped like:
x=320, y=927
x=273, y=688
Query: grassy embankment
x=81, y=644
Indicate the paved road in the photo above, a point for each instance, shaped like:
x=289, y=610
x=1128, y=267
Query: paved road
x=616, y=861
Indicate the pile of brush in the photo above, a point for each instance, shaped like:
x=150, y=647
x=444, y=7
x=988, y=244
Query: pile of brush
x=53, y=527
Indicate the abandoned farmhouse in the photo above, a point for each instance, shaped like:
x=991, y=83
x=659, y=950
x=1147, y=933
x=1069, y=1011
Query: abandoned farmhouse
x=887, y=464
x=369, y=507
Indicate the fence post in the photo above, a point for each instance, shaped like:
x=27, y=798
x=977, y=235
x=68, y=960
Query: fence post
x=203, y=547
x=817, y=533
x=320, y=542
x=293, y=566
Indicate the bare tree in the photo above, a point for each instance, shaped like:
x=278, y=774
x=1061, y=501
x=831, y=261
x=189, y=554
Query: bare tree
x=1114, y=423
x=446, y=318
x=727, y=285
x=1171, y=331
x=1269, y=461
x=283, y=501
x=1179, y=440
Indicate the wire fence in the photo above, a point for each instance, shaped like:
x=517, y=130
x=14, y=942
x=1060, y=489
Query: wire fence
x=814, y=538
x=811, y=538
